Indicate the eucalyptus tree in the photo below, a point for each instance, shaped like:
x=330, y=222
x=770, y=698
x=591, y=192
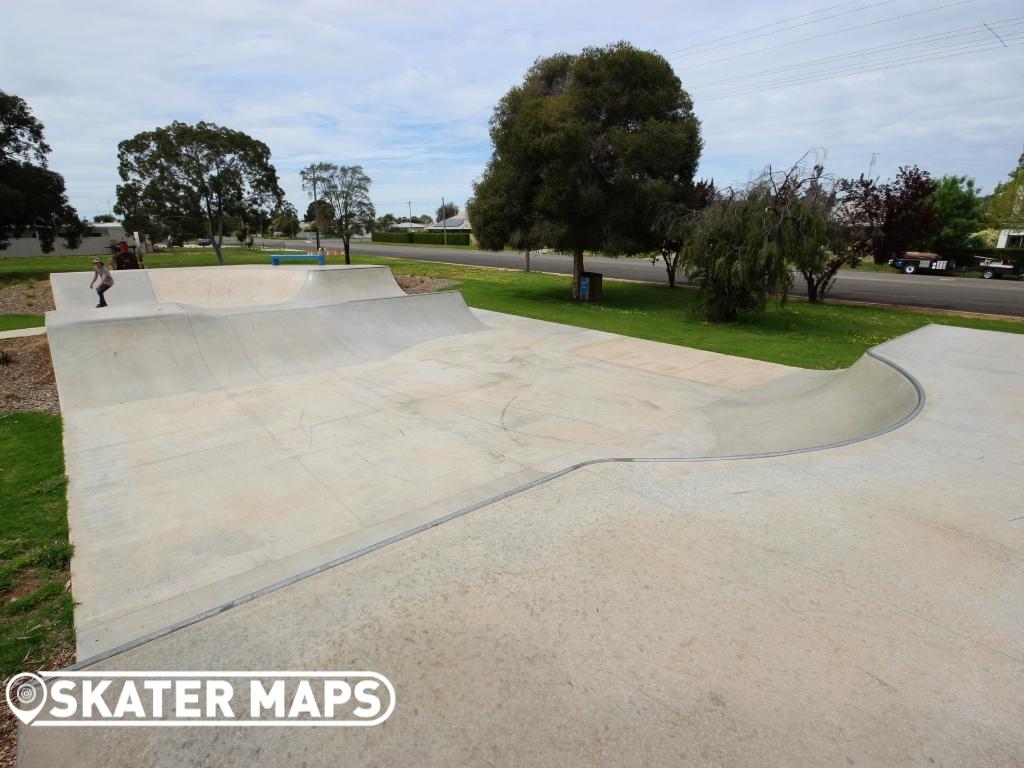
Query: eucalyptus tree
x=587, y=150
x=200, y=172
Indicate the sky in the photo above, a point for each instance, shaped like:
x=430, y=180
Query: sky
x=406, y=89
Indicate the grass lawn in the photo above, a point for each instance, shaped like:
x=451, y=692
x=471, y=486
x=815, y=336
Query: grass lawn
x=12, y=322
x=800, y=334
x=36, y=621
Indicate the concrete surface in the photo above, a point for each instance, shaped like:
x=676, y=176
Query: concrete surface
x=219, y=447
x=18, y=333
x=860, y=605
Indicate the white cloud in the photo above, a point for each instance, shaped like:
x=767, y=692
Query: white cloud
x=406, y=89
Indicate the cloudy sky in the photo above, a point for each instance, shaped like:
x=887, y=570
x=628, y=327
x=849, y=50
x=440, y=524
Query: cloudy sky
x=406, y=89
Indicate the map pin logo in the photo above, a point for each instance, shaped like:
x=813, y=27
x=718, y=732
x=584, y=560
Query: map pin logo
x=26, y=695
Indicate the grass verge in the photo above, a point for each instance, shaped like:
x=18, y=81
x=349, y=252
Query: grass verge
x=36, y=618
x=14, y=322
x=801, y=334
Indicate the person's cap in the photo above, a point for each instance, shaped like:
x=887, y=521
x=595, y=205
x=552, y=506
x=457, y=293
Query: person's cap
x=96, y=260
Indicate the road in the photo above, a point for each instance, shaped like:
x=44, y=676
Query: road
x=997, y=297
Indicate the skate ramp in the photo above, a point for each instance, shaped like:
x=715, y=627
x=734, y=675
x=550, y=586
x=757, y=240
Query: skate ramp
x=215, y=447
x=809, y=409
x=226, y=287
x=861, y=605
x=123, y=354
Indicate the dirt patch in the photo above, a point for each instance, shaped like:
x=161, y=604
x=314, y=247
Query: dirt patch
x=25, y=583
x=26, y=376
x=33, y=298
x=422, y=283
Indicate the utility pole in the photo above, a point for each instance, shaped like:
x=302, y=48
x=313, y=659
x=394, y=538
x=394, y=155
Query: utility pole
x=316, y=211
x=444, y=220
x=410, y=215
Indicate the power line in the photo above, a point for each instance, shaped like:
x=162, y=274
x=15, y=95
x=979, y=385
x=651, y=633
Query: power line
x=828, y=34
x=774, y=31
x=854, y=67
x=867, y=68
x=972, y=31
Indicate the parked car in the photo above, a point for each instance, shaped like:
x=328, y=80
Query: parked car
x=912, y=262
x=204, y=242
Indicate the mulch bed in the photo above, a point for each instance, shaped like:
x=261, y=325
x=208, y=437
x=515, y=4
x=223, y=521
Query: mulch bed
x=422, y=283
x=34, y=298
x=26, y=376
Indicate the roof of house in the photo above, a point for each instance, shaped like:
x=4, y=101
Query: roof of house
x=453, y=222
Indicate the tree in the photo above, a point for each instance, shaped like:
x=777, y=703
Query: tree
x=958, y=214
x=286, y=220
x=32, y=197
x=884, y=220
x=201, y=171
x=1005, y=209
x=347, y=189
x=675, y=224
x=587, y=151
x=447, y=211
x=808, y=229
x=499, y=216
x=385, y=222
x=103, y=218
x=314, y=177
x=319, y=210
x=736, y=254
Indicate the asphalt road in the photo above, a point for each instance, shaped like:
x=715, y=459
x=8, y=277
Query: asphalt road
x=997, y=297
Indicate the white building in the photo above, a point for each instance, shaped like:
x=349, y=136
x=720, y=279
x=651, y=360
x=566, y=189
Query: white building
x=95, y=245
x=1011, y=238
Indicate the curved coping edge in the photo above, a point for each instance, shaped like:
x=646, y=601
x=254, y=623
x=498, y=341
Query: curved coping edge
x=328, y=565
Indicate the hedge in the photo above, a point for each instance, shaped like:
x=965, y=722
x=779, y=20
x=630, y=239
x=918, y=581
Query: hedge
x=426, y=238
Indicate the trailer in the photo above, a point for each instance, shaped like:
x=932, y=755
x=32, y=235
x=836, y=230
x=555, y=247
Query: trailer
x=912, y=262
x=991, y=267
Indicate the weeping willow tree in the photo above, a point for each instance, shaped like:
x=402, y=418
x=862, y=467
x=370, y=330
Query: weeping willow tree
x=742, y=249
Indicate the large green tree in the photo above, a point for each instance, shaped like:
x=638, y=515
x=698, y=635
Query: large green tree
x=958, y=213
x=199, y=172
x=32, y=197
x=587, y=150
x=347, y=190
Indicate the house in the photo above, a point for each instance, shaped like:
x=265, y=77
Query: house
x=97, y=244
x=1010, y=238
x=408, y=226
x=451, y=224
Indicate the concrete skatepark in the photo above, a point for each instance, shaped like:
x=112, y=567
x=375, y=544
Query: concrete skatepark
x=562, y=546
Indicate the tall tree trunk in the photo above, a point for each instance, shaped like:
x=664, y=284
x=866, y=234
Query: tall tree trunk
x=527, y=260
x=346, y=240
x=577, y=273
x=812, y=289
x=670, y=268
x=216, y=239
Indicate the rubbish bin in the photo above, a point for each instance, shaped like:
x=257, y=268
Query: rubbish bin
x=591, y=286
